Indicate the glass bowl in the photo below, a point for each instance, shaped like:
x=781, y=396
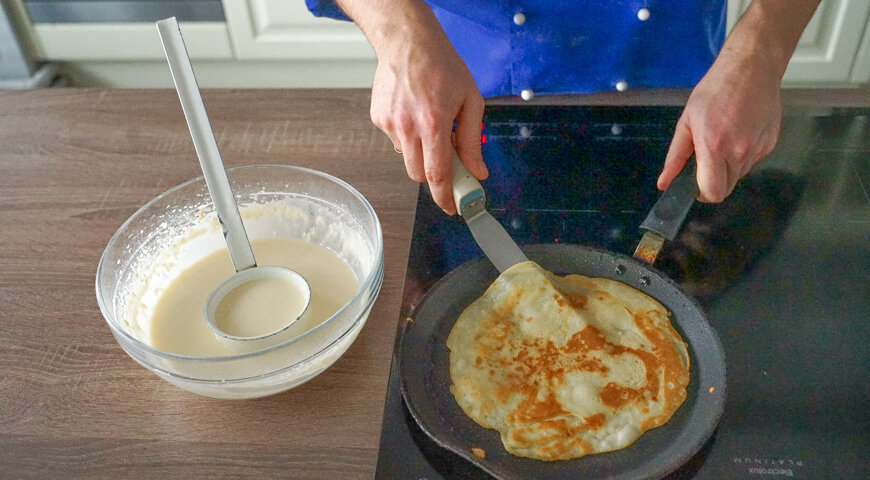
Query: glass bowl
x=179, y=227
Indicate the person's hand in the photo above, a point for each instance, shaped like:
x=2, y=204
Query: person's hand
x=731, y=122
x=421, y=86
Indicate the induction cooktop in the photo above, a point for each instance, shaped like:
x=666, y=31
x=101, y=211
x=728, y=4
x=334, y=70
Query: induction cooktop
x=782, y=268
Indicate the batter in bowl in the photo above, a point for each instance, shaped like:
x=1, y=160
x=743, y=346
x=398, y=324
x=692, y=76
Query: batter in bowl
x=178, y=324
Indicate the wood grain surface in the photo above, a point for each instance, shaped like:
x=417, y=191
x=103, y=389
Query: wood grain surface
x=74, y=164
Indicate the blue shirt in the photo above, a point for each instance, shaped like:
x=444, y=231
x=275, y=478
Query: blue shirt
x=577, y=46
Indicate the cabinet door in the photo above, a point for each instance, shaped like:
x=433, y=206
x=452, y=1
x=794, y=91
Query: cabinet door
x=829, y=46
x=286, y=30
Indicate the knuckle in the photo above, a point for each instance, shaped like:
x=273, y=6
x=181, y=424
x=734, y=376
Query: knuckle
x=383, y=121
x=417, y=176
x=403, y=125
x=430, y=122
x=469, y=148
x=769, y=146
x=435, y=175
x=476, y=103
x=741, y=149
x=378, y=120
x=717, y=145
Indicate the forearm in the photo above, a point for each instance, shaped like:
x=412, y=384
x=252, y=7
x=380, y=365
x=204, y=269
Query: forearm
x=770, y=30
x=387, y=23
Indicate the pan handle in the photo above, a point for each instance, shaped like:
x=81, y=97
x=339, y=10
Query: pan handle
x=668, y=214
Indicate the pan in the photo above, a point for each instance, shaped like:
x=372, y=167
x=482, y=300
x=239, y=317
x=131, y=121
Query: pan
x=425, y=379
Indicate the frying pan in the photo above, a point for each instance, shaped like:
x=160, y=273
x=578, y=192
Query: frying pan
x=425, y=379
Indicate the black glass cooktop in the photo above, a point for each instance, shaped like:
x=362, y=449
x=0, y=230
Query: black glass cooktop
x=782, y=268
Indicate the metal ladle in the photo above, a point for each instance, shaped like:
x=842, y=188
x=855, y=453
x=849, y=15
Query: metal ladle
x=219, y=188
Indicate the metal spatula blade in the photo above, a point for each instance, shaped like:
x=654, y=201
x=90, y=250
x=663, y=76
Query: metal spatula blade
x=490, y=236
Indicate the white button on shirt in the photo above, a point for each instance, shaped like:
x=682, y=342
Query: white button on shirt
x=643, y=14
x=527, y=94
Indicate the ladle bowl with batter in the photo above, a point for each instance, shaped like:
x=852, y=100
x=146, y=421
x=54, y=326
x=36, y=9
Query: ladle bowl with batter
x=274, y=296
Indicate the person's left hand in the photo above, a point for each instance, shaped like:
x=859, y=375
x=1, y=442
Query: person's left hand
x=731, y=122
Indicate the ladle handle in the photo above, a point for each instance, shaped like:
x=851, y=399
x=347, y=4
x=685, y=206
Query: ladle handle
x=206, y=146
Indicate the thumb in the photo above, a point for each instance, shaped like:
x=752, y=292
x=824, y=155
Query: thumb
x=680, y=150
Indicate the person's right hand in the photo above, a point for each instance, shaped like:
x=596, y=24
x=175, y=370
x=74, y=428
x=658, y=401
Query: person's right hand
x=421, y=86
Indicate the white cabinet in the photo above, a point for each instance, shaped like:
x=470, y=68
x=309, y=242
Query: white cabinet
x=127, y=41
x=285, y=29
x=830, y=51
x=284, y=45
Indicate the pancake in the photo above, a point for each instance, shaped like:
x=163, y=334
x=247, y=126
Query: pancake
x=564, y=367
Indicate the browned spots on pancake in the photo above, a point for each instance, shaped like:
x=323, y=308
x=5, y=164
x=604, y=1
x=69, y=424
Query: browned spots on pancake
x=506, y=308
x=538, y=358
x=577, y=301
x=539, y=361
x=556, y=439
x=670, y=363
x=524, y=369
x=518, y=437
x=595, y=422
x=531, y=409
x=614, y=395
x=492, y=339
x=566, y=449
x=592, y=365
x=559, y=426
x=514, y=384
x=653, y=422
x=604, y=296
x=590, y=338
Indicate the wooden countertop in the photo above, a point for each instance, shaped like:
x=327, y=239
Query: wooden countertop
x=75, y=164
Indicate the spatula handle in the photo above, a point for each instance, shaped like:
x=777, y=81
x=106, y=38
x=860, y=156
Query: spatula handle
x=667, y=215
x=466, y=188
